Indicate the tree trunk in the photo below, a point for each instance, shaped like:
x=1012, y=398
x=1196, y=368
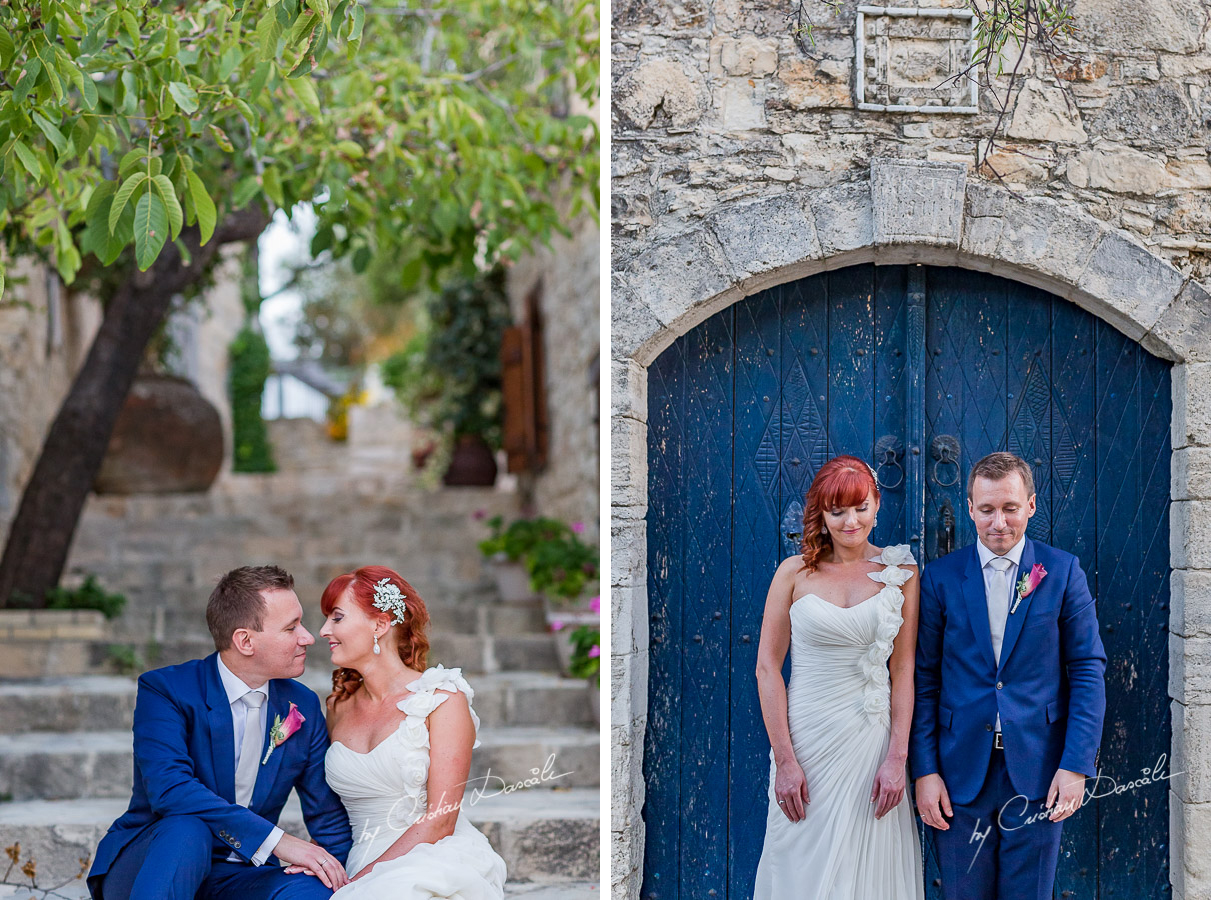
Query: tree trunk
x=42, y=531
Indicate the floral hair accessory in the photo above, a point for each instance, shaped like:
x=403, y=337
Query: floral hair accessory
x=389, y=599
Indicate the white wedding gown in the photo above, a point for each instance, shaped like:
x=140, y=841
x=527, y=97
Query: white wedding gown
x=384, y=792
x=838, y=707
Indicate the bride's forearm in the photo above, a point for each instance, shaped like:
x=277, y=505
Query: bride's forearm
x=771, y=690
x=901, y=712
x=428, y=830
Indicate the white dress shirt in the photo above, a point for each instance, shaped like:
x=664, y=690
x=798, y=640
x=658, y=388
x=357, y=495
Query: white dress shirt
x=998, y=606
x=236, y=688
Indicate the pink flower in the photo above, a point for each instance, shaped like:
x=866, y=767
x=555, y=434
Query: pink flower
x=282, y=730
x=479, y=515
x=594, y=652
x=556, y=625
x=595, y=604
x=578, y=527
x=1028, y=583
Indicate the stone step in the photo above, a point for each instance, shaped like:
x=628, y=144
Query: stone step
x=107, y=702
x=544, y=835
x=43, y=765
x=535, y=890
x=474, y=654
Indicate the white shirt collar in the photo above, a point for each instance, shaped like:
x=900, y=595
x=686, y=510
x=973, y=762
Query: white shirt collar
x=1014, y=554
x=233, y=684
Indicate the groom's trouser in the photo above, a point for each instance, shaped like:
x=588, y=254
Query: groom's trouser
x=171, y=860
x=999, y=846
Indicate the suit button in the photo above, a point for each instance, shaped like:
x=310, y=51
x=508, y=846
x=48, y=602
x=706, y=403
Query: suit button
x=1000, y=684
x=988, y=727
x=236, y=844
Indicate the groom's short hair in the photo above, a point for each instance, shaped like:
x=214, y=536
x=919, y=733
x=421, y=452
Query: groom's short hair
x=236, y=601
x=996, y=466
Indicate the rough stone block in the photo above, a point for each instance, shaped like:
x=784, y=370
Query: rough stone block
x=628, y=552
x=679, y=278
x=843, y=217
x=917, y=202
x=1190, y=605
x=1191, y=405
x=1191, y=474
x=629, y=465
x=1190, y=534
x=1190, y=670
x=1191, y=752
x=759, y=238
x=1132, y=287
x=1190, y=843
x=1183, y=332
x=629, y=389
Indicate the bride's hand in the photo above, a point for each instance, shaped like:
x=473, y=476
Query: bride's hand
x=888, y=789
x=790, y=790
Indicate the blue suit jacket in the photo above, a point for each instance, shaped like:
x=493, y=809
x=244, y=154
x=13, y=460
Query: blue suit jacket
x=1049, y=687
x=184, y=764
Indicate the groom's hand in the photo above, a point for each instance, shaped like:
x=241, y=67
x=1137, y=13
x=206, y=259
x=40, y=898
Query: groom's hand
x=933, y=801
x=313, y=859
x=1065, y=795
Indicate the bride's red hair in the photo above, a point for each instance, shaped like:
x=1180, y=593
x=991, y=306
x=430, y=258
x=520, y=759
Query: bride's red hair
x=412, y=634
x=842, y=481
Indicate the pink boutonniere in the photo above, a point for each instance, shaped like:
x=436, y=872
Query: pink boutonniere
x=1028, y=583
x=282, y=730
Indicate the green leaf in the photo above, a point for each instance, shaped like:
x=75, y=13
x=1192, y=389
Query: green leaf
x=52, y=132
x=244, y=191
x=83, y=133
x=221, y=138
x=268, y=32
x=185, y=96
x=151, y=229
x=305, y=91
x=272, y=183
x=28, y=159
x=123, y=196
x=359, y=22
x=352, y=149
x=29, y=77
x=7, y=48
x=203, y=204
x=168, y=194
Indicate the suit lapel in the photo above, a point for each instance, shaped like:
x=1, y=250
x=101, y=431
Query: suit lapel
x=1013, y=623
x=222, y=738
x=977, y=604
x=267, y=773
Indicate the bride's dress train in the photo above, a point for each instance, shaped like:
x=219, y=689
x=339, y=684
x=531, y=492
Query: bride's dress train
x=384, y=792
x=838, y=707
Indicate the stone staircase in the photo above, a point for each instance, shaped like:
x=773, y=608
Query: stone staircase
x=65, y=740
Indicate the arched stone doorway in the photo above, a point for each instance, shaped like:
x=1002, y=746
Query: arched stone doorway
x=744, y=248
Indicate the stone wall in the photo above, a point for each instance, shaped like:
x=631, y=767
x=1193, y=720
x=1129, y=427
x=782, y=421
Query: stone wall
x=741, y=162
x=714, y=101
x=44, y=336
x=569, y=302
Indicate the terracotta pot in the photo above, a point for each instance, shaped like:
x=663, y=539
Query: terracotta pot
x=512, y=579
x=472, y=465
x=168, y=439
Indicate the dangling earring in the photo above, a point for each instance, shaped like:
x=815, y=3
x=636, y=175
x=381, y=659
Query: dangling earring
x=874, y=521
x=377, y=651
x=824, y=529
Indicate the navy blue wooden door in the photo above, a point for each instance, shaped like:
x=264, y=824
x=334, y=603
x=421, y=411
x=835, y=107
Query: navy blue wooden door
x=922, y=371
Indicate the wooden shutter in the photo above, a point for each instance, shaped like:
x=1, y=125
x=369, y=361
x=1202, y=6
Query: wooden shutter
x=523, y=385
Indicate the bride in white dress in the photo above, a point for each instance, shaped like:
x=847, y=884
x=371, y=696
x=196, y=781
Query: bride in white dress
x=838, y=826
x=402, y=736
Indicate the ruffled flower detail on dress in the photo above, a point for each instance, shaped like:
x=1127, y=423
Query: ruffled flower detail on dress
x=889, y=602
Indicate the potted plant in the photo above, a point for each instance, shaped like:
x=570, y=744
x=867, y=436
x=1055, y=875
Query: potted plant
x=578, y=641
x=449, y=376
x=585, y=662
x=508, y=547
x=562, y=568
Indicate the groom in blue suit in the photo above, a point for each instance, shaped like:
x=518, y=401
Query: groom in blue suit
x=218, y=745
x=1010, y=696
